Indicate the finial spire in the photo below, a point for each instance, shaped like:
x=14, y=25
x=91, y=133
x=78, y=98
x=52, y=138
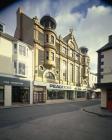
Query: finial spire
x=71, y=30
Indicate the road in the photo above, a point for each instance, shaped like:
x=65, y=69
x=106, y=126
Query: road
x=54, y=122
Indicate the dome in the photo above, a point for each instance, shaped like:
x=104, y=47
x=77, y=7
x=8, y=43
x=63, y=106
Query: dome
x=84, y=50
x=48, y=22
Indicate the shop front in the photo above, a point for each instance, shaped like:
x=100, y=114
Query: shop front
x=14, y=90
x=59, y=91
x=106, y=95
x=39, y=94
x=109, y=99
x=43, y=92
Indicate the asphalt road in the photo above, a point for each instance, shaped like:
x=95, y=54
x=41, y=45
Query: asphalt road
x=54, y=122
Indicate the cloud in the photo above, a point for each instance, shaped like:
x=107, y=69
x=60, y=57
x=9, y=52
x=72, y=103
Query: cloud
x=91, y=30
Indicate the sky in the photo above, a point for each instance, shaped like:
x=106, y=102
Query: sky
x=91, y=20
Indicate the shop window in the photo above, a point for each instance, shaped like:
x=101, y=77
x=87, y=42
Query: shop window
x=52, y=39
x=80, y=94
x=22, y=68
x=15, y=48
x=50, y=75
x=52, y=56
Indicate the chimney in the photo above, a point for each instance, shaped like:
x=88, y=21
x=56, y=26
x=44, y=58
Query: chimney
x=110, y=38
x=2, y=27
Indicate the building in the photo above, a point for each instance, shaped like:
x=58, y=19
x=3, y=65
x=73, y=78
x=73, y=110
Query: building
x=105, y=74
x=93, y=91
x=16, y=71
x=61, y=68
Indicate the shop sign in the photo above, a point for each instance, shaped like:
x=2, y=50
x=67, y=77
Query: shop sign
x=13, y=81
x=58, y=86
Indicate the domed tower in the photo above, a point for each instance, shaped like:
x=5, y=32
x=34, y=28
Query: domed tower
x=85, y=61
x=49, y=25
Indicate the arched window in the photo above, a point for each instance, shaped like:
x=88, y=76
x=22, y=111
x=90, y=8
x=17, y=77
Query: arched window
x=49, y=75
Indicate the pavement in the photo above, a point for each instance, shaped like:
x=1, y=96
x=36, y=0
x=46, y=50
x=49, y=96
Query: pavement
x=97, y=110
x=19, y=105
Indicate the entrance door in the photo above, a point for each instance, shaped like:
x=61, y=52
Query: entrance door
x=109, y=100
x=1, y=95
x=20, y=95
x=39, y=97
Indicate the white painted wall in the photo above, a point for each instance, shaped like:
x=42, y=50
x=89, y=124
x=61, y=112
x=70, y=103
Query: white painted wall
x=92, y=79
x=107, y=73
x=103, y=98
x=5, y=56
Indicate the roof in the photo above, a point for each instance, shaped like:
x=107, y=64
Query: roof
x=67, y=37
x=104, y=85
x=11, y=38
x=106, y=47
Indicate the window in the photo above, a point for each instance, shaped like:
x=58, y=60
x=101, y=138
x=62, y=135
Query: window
x=64, y=70
x=77, y=76
x=101, y=69
x=101, y=76
x=102, y=63
x=22, y=50
x=15, y=48
x=50, y=75
x=1, y=28
x=102, y=56
x=40, y=37
x=70, y=53
x=71, y=72
x=52, y=56
x=47, y=55
x=15, y=66
x=46, y=38
x=27, y=51
x=22, y=68
x=77, y=57
x=52, y=39
x=64, y=50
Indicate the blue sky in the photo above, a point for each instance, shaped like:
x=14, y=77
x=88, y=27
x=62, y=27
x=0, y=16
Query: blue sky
x=90, y=19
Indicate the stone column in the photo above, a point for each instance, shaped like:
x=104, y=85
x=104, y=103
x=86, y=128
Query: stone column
x=103, y=98
x=31, y=92
x=8, y=95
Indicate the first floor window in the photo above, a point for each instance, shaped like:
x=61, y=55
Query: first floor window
x=52, y=39
x=22, y=68
x=15, y=48
x=52, y=56
x=15, y=66
x=47, y=55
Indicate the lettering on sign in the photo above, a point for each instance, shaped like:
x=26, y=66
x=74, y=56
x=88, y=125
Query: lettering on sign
x=60, y=86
